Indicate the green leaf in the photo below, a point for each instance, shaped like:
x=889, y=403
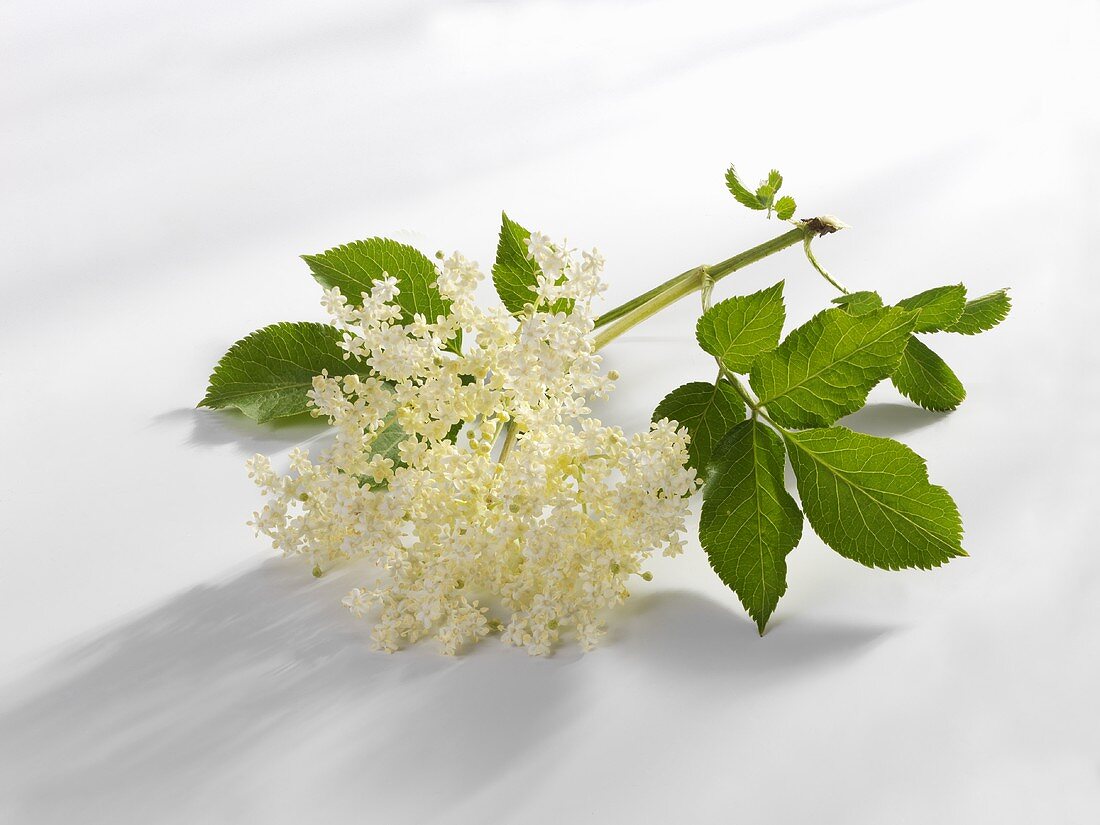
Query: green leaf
x=936, y=308
x=749, y=522
x=859, y=303
x=869, y=499
x=982, y=313
x=267, y=374
x=354, y=267
x=774, y=180
x=924, y=378
x=739, y=192
x=824, y=369
x=706, y=411
x=738, y=329
x=387, y=443
x=765, y=195
x=515, y=274
x=784, y=208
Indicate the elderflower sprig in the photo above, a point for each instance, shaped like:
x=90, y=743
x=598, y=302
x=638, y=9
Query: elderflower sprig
x=467, y=468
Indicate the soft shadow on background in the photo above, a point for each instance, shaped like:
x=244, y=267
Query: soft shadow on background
x=168, y=706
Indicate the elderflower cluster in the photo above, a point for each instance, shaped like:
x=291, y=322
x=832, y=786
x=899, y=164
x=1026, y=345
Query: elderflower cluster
x=505, y=506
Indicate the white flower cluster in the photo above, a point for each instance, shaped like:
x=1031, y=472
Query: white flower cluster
x=533, y=538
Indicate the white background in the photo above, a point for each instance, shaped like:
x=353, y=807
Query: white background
x=163, y=165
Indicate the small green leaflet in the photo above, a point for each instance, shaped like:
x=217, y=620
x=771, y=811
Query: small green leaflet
x=925, y=379
x=936, y=308
x=784, y=208
x=749, y=522
x=982, y=313
x=739, y=192
x=387, y=443
x=354, y=267
x=824, y=369
x=764, y=196
x=707, y=411
x=859, y=303
x=515, y=274
x=738, y=329
x=869, y=499
x=267, y=374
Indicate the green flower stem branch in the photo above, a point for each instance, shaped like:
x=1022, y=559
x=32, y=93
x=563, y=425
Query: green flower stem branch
x=624, y=317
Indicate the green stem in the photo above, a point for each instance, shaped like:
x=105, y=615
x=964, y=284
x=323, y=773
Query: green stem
x=616, y=321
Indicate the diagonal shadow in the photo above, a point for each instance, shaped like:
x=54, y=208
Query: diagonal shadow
x=214, y=428
x=890, y=419
x=150, y=720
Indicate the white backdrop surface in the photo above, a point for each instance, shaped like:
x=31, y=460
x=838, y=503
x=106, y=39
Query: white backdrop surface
x=162, y=167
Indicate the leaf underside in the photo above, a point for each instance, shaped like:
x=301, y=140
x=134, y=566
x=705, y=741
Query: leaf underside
x=983, y=313
x=869, y=499
x=738, y=329
x=824, y=369
x=926, y=379
x=740, y=193
x=749, y=522
x=707, y=411
x=267, y=374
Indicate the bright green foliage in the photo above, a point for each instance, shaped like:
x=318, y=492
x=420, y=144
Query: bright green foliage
x=515, y=273
x=824, y=369
x=739, y=192
x=354, y=267
x=869, y=499
x=738, y=329
x=936, y=308
x=925, y=379
x=707, y=411
x=859, y=303
x=267, y=374
x=749, y=522
x=982, y=313
x=764, y=196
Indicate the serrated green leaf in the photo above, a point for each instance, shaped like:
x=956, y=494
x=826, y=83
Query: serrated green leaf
x=515, y=274
x=859, y=303
x=774, y=180
x=936, y=308
x=707, y=411
x=354, y=267
x=749, y=522
x=267, y=374
x=869, y=499
x=738, y=329
x=784, y=208
x=765, y=195
x=982, y=313
x=824, y=369
x=925, y=379
x=739, y=192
